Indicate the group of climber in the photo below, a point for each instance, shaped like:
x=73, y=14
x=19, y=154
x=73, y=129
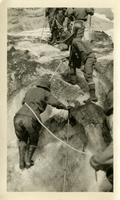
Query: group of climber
x=61, y=20
x=27, y=127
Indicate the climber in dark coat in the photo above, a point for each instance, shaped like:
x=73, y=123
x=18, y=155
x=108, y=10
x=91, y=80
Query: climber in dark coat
x=50, y=14
x=26, y=125
x=104, y=160
x=82, y=54
x=56, y=17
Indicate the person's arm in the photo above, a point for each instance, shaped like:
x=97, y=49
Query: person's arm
x=55, y=103
x=71, y=57
x=103, y=160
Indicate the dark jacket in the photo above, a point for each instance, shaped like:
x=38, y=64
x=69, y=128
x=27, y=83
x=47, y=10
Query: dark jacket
x=79, y=52
x=38, y=98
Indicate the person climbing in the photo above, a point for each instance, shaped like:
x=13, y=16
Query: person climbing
x=82, y=54
x=59, y=20
x=56, y=17
x=104, y=160
x=26, y=125
x=50, y=15
x=57, y=26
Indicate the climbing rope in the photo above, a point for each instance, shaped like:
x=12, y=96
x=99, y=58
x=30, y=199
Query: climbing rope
x=66, y=158
x=50, y=132
x=56, y=69
x=66, y=144
x=44, y=26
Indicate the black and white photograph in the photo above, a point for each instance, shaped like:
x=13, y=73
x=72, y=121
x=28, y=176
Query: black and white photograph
x=60, y=99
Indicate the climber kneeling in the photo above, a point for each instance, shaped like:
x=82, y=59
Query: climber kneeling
x=82, y=54
x=104, y=160
x=26, y=125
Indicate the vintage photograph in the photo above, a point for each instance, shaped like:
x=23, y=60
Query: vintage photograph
x=60, y=99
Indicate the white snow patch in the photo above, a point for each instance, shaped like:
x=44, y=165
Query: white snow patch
x=101, y=16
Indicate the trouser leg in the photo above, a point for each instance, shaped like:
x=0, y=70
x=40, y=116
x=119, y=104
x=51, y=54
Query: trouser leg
x=29, y=161
x=22, y=138
x=73, y=74
x=92, y=92
x=22, y=151
x=33, y=141
x=88, y=73
x=54, y=32
x=50, y=20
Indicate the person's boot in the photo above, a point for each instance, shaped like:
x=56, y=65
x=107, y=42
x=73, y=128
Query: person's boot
x=73, y=78
x=22, y=151
x=92, y=95
x=92, y=92
x=29, y=161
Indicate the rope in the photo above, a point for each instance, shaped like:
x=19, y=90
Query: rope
x=56, y=70
x=68, y=145
x=96, y=176
x=43, y=29
x=66, y=160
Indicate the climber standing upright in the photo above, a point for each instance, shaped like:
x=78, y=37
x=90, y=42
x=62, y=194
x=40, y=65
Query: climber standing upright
x=26, y=125
x=82, y=54
x=50, y=15
x=56, y=17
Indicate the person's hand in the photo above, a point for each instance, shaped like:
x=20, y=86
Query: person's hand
x=70, y=106
x=94, y=163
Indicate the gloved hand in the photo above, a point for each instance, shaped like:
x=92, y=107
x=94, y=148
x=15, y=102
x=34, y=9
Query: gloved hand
x=94, y=163
x=70, y=106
